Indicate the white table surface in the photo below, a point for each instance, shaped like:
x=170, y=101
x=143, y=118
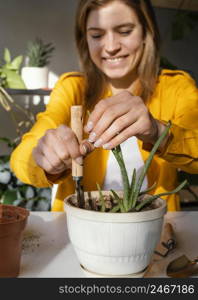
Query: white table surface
x=47, y=251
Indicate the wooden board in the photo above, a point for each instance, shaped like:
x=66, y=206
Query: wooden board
x=182, y=4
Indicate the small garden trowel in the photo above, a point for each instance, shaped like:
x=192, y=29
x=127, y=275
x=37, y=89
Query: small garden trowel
x=168, y=242
x=77, y=170
x=182, y=267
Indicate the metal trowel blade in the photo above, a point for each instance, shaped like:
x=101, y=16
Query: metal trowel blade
x=182, y=267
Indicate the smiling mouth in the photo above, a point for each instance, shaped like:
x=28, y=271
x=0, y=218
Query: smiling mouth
x=115, y=59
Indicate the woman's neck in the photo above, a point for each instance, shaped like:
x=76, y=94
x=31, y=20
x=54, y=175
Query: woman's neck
x=130, y=85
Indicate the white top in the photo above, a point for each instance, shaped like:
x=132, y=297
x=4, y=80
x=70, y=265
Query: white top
x=132, y=158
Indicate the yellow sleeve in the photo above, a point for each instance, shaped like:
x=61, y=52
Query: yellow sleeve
x=68, y=91
x=182, y=98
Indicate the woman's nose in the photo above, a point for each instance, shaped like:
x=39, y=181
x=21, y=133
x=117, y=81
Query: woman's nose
x=112, y=44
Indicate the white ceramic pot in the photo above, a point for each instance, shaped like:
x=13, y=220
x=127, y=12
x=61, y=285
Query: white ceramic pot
x=35, y=77
x=117, y=244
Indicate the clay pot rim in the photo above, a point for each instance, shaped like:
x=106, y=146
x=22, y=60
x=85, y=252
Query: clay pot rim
x=22, y=212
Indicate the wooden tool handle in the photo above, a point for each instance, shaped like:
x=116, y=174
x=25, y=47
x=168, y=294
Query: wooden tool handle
x=77, y=127
x=168, y=233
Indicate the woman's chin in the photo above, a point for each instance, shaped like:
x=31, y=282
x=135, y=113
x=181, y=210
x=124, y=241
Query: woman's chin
x=116, y=76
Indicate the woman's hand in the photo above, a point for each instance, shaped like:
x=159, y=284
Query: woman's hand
x=116, y=119
x=56, y=149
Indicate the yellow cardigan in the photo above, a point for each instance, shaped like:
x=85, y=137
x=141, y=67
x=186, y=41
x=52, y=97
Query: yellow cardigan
x=175, y=98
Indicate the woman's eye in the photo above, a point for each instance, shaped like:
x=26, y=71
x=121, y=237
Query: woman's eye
x=96, y=36
x=126, y=32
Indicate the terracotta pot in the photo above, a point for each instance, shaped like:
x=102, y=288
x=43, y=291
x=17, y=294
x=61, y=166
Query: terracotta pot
x=12, y=224
x=114, y=244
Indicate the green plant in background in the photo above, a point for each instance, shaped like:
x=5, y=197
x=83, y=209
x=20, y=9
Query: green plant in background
x=10, y=106
x=131, y=200
x=38, y=53
x=184, y=22
x=15, y=192
x=10, y=71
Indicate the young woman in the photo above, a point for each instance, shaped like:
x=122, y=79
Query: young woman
x=130, y=100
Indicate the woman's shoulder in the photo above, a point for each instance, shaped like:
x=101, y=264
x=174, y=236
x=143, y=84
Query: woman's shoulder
x=71, y=77
x=70, y=85
x=175, y=78
x=70, y=81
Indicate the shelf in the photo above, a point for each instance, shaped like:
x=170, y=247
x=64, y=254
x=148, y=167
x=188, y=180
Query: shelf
x=39, y=92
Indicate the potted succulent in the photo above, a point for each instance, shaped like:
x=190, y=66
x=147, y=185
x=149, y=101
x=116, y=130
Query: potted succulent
x=12, y=224
x=35, y=73
x=116, y=232
x=10, y=71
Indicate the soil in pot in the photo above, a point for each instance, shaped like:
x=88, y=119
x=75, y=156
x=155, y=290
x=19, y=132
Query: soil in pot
x=94, y=203
x=12, y=224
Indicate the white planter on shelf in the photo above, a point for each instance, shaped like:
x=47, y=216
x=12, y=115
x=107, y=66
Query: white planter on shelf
x=35, y=77
x=114, y=244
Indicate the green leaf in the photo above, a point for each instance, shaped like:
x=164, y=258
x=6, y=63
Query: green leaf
x=16, y=63
x=120, y=202
x=9, y=197
x=101, y=198
x=148, y=163
x=9, y=143
x=115, y=209
x=117, y=151
x=39, y=53
x=132, y=189
x=14, y=80
x=148, y=190
x=18, y=202
x=7, y=56
x=152, y=198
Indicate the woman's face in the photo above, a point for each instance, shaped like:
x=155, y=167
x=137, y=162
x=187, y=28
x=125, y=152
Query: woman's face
x=115, y=40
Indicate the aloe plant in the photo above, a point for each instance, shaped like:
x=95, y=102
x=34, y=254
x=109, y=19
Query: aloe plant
x=132, y=192
x=38, y=53
x=10, y=71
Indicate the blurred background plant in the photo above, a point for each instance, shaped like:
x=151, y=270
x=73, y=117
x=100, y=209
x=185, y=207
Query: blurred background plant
x=10, y=71
x=12, y=190
x=183, y=24
x=15, y=192
x=11, y=106
x=38, y=53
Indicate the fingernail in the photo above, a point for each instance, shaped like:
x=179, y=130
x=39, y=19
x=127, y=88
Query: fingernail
x=89, y=126
x=106, y=146
x=92, y=137
x=98, y=143
x=79, y=160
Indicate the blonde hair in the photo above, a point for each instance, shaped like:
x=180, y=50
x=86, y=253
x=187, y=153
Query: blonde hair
x=148, y=67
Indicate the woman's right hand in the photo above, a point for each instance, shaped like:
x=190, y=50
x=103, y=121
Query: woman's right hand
x=56, y=149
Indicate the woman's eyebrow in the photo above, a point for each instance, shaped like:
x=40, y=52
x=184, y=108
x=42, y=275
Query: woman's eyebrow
x=131, y=25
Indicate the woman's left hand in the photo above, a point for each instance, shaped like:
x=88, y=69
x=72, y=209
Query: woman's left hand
x=120, y=117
